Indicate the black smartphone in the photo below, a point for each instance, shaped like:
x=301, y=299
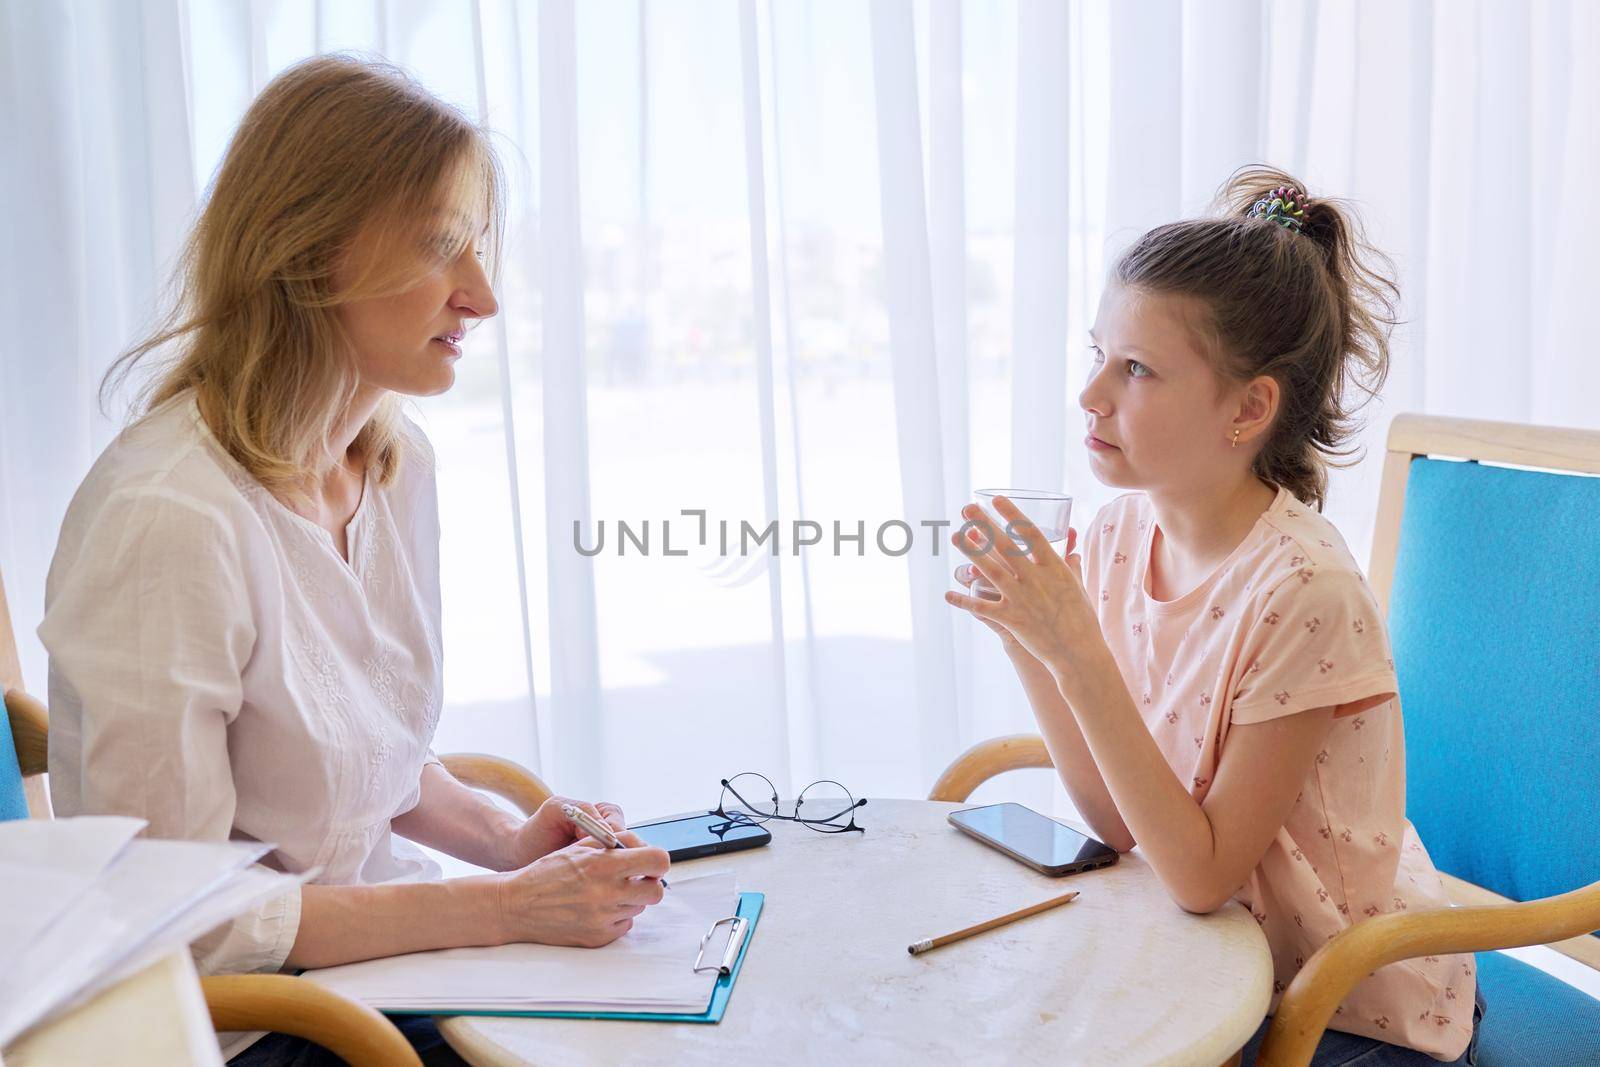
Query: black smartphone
x=1040, y=842
x=689, y=836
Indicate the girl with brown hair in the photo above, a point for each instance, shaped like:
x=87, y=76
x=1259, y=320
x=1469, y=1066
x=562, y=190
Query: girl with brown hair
x=1212, y=676
x=243, y=612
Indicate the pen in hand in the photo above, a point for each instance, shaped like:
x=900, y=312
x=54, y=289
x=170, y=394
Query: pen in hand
x=595, y=829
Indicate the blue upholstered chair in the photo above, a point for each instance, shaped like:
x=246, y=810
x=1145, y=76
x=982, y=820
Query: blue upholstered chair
x=1491, y=578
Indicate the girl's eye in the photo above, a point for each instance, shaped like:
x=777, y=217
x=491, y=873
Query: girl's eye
x=1135, y=364
x=1096, y=355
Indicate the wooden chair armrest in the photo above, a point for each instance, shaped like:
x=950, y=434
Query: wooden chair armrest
x=502, y=777
x=30, y=730
x=985, y=760
x=1339, y=965
x=283, y=1004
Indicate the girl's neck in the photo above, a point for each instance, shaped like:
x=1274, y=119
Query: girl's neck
x=1199, y=528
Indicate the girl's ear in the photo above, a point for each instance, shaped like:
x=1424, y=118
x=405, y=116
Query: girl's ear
x=1258, y=406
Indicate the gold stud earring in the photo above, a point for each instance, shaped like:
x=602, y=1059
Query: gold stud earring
x=1236, y=439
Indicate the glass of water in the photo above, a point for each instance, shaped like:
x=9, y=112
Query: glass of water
x=1051, y=512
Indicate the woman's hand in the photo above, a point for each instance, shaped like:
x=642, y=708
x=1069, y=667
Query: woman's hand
x=584, y=894
x=547, y=830
x=1040, y=603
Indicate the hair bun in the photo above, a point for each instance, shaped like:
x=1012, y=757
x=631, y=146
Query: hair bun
x=1284, y=205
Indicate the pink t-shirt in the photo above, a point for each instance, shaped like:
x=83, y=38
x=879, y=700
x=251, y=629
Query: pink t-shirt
x=1287, y=623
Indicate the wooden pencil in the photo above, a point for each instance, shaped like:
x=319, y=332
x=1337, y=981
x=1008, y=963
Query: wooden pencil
x=928, y=944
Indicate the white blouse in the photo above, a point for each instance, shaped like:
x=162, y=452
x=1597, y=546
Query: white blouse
x=217, y=668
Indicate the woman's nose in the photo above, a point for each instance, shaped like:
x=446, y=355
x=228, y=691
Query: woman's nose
x=476, y=298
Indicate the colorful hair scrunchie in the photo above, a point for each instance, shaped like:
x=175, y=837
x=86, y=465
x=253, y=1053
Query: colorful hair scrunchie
x=1285, y=205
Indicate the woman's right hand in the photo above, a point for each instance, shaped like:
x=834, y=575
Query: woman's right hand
x=582, y=895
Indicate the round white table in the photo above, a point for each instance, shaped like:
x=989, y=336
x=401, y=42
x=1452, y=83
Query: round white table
x=1121, y=975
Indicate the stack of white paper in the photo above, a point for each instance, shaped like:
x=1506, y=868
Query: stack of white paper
x=83, y=904
x=648, y=969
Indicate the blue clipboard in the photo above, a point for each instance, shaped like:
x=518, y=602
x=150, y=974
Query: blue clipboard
x=749, y=908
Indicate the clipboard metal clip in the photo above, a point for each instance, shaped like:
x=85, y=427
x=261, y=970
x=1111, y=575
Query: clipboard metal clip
x=739, y=925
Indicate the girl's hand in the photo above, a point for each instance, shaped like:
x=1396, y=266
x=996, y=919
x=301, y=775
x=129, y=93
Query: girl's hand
x=967, y=575
x=1041, y=602
x=547, y=830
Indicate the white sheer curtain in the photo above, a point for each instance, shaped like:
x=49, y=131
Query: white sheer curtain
x=795, y=260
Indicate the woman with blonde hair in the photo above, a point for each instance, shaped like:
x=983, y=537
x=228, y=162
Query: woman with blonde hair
x=243, y=611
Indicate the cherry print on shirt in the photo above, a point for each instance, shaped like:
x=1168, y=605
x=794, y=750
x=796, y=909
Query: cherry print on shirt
x=1380, y=838
x=1313, y=624
x=1272, y=618
x=1399, y=905
x=1295, y=561
x=1108, y=527
x=1322, y=757
x=1277, y=987
x=1199, y=742
x=1284, y=539
x=1305, y=574
x=1324, y=544
x=1291, y=513
x=1138, y=628
x=1147, y=698
x=1344, y=909
x=1105, y=594
x=1357, y=723
x=1324, y=666
x=1217, y=612
x=1322, y=895
x=1255, y=668
x=1281, y=696
x=1172, y=717
x=1200, y=783
x=1259, y=917
x=1346, y=835
x=1297, y=854
x=1169, y=678
x=1358, y=626
x=1370, y=910
x=1205, y=700
x=1141, y=524
x=1119, y=558
x=1382, y=1021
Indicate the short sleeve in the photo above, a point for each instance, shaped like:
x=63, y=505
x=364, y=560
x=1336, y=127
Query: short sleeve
x=1317, y=641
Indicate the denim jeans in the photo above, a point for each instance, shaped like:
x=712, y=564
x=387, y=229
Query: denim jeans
x=1339, y=1049
x=281, y=1050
